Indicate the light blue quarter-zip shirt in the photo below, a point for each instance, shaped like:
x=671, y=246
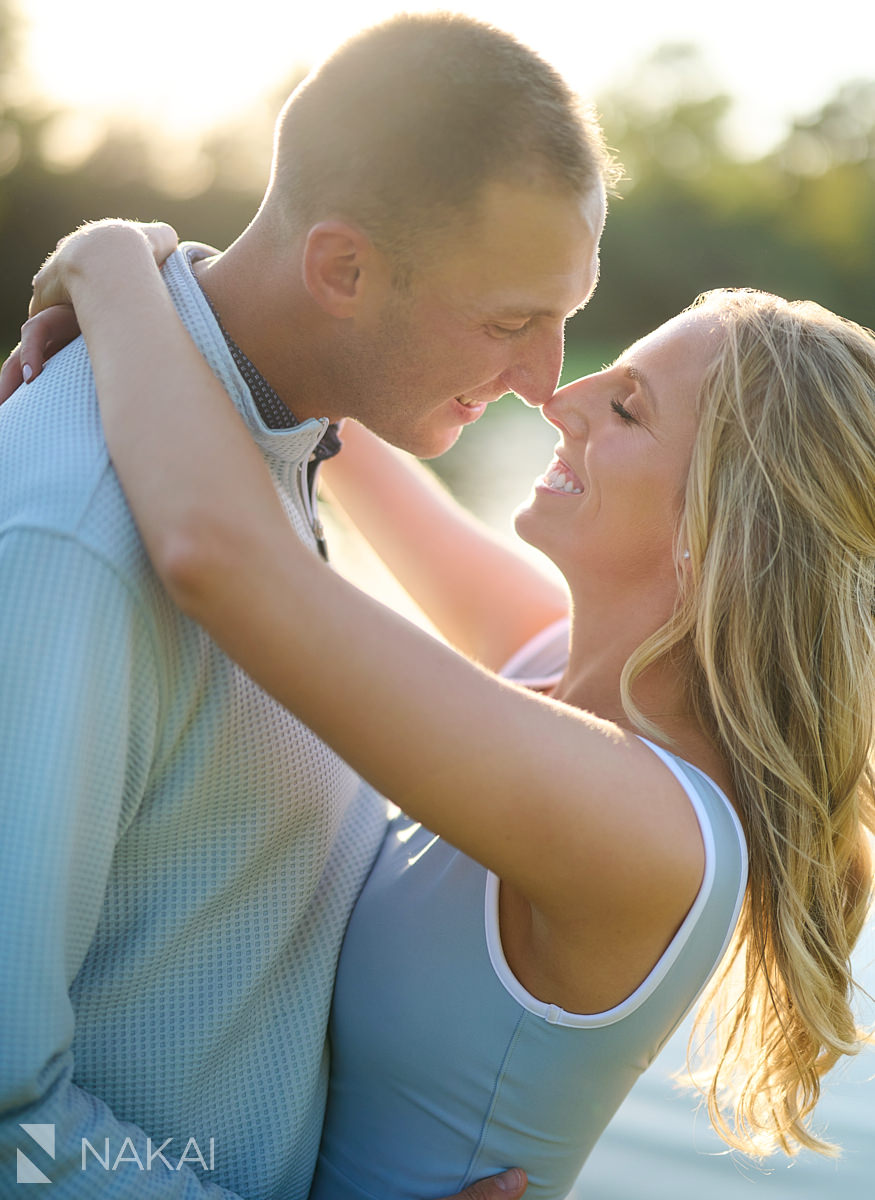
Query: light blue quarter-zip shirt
x=178, y=854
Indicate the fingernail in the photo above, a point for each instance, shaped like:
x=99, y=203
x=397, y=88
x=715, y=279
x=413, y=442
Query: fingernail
x=27, y=372
x=510, y=1181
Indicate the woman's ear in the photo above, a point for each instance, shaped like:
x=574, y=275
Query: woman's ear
x=335, y=257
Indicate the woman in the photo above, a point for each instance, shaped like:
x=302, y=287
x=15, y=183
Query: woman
x=711, y=506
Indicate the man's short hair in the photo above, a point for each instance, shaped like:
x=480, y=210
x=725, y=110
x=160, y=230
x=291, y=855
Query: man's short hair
x=401, y=127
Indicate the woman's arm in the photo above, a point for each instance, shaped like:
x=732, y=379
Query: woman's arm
x=479, y=591
x=568, y=809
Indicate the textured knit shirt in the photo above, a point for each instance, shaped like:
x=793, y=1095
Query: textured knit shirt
x=178, y=855
x=445, y=1069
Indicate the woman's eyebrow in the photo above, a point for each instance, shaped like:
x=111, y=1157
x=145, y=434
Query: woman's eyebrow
x=640, y=378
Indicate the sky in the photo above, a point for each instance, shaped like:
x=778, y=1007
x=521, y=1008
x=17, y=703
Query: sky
x=188, y=65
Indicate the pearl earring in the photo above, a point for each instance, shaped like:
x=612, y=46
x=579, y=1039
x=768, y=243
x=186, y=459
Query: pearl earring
x=686, y=554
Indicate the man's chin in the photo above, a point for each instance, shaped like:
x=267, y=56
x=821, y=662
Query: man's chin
x=425, y=445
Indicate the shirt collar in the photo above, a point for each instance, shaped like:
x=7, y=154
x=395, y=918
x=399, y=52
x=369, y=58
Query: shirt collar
x=271, y=407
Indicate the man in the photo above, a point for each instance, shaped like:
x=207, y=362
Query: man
x=179, y=855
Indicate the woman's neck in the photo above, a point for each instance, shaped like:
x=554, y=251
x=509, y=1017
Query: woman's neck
x=606, y=629
x=600, y=646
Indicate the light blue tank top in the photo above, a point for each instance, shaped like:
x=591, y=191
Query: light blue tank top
x=444, y=1069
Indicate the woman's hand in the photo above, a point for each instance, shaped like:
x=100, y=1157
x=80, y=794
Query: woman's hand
x=41, y=337
x=53, y=324
x=51, y=284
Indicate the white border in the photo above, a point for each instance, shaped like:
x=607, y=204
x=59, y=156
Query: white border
x=557, y=1016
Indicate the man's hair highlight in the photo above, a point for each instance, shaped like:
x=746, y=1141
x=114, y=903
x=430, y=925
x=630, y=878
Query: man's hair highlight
x=400, y=128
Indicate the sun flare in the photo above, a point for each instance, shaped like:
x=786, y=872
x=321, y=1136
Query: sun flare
x=183, y=67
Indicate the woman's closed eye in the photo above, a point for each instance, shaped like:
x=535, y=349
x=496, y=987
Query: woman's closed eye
x=622, y=412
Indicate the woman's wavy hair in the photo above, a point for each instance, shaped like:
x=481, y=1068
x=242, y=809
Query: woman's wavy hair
x=775, y=629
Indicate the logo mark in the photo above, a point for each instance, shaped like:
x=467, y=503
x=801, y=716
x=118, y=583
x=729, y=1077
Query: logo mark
x=44, y=1136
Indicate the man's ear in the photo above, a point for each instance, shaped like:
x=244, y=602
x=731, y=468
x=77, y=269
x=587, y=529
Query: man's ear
x=335, y=257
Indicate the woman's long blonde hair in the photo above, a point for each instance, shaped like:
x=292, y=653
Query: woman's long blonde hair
x=776, y=626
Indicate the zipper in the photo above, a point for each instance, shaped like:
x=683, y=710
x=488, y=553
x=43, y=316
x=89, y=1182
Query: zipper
x=310, y=503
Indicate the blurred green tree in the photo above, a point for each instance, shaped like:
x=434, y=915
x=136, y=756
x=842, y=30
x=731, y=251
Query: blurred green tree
x=693, y=215
x=56, y=172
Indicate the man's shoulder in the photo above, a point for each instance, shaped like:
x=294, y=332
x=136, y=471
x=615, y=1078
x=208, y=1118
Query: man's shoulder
x=55, y=471
x=54, y=465
x=57, y=481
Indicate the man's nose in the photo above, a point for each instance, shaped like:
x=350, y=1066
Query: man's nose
x=535, y=371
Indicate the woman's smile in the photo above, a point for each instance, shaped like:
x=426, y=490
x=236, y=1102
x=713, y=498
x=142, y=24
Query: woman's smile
x=560, y=478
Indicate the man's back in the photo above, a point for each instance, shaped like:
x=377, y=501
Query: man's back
x=179, y=854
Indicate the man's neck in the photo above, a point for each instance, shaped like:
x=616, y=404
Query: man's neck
x=259, y=311
x=273, y=411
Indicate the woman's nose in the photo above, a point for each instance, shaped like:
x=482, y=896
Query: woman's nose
x=567, y=408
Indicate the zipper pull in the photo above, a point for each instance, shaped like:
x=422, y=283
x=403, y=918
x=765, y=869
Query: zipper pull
x=321, y=542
